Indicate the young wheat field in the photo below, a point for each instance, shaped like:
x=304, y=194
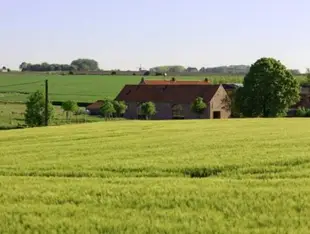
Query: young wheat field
x=187, y=176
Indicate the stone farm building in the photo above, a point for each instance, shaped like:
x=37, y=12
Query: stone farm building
x=173, y=101
x=94, y=108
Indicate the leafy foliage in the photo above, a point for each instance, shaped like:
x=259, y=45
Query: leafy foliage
x=269, y=89
x=69, y=106
x=107, y=109
x=45, y=67
x=120, y=107
x=148, y=109
x=198, y=106
x=303, y=112
x=85, y=65
x=35, y=110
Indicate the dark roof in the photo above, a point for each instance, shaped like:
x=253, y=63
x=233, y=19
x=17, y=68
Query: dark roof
x=166, y=93
x=96, y=105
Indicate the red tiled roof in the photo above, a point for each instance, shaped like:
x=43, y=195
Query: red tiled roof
x=177, y=82
x=96, y=105
x=167, y=93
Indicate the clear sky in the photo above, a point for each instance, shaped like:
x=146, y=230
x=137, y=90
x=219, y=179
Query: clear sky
x=122, y=34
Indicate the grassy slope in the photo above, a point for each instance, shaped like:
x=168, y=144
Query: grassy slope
x=79, y=88
x=13, y=114
x=132, y=177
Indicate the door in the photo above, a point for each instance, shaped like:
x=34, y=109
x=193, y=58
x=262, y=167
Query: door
x=216, y=114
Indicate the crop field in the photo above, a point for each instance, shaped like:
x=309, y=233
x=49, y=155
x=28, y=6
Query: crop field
x=185, y=176
x=82, y=88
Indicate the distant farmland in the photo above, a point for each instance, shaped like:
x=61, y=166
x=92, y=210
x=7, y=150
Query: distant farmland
x=83, y=88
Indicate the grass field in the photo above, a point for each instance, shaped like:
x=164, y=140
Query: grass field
x=82, y=88
x=190, y=176
x=12, y=115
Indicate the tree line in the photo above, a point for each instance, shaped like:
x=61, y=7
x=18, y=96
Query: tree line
x=232, y=69
x=76, y=65
x=92, y=65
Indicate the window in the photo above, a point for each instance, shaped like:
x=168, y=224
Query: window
x=177, y=112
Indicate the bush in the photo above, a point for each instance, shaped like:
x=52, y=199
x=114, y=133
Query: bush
x=148, y=109
x=71, y=73
x=35, y=110
x=158, y=74
x=113, y=73
x=147, y=73
x=134, y=74
x=198, y=106
x=302, y=112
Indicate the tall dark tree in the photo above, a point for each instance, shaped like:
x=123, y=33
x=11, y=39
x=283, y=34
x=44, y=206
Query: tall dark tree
x=269, y=89
x=85, y=64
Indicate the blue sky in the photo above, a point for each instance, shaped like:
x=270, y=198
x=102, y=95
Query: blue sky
x=126, y=33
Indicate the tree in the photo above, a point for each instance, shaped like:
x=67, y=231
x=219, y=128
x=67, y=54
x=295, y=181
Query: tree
x=35, y=110
x=23, y=66
x=148, y=109
x=69, y=106
x=269, y=89
x=107, y=109
x=120, y=107
x=198, y=106
x=308, y=75
x=85, y=64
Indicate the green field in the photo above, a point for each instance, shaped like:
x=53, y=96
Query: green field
x=83, y=88
x=190, y=176
x=13, y=114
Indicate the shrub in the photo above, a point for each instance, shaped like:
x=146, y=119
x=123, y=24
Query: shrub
x=148, y=109
x=303, y=112
x=120, y=108
x=147, y=73
x=35, y=110
x=113, y=73
x=134, y=74
x=107, y=110
x=199, y=106
x=71, y=73
x=158, y=74
x=69, y=106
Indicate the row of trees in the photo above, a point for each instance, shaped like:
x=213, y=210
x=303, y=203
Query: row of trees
x=112, y=108
x=76, y=65
x=35, y=109
x=232, y=69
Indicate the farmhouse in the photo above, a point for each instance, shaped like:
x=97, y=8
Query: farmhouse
x=94, y=108
x=173, y=101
